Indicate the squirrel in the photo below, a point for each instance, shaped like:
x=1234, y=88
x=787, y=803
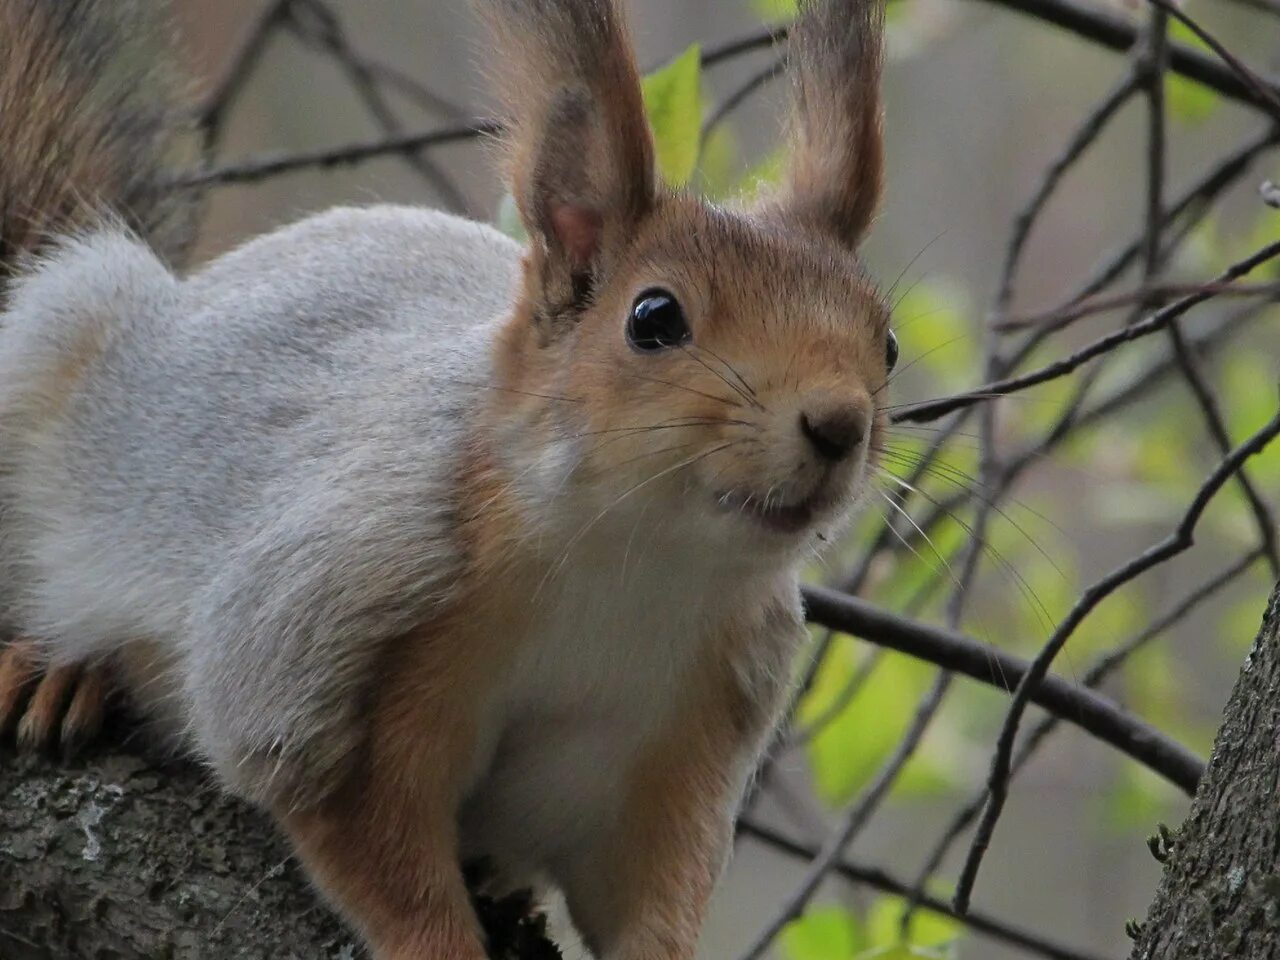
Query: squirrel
x=435, y=546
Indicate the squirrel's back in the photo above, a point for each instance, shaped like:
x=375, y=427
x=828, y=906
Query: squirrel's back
x=150, y=424
x=266, y=447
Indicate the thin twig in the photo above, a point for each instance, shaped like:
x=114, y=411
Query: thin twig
x=1109, y=30
x=240, y=66
x=1153, y=293
x=933, y=409
x=325, y=30
x=1085, y=135
x=854, y=819
x=1179, y=540
x=260, y=168
x=757, y=81
x=881, y=880
x=1266, y=92
x=1093, y=677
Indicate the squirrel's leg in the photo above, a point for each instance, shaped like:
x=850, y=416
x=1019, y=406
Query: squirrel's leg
x=390, y=865
x=640, y=890
x=385, y=846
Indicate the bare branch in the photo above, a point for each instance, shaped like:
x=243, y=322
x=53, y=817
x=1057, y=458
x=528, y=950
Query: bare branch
x=854, y=819
x=881, y=880
x=251, y=171
x=1093, y=677
x=1154, y=293
x=1178, y=541
x=953, y=651
x=933, y=409
x=1266, y=92
x=240, y=66
x=1114, y=32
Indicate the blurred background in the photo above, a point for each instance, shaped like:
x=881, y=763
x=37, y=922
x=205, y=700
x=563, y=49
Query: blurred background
x=979, y=99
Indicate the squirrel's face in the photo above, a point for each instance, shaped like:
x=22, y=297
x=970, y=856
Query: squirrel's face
x=726, y=382
x=681, y=370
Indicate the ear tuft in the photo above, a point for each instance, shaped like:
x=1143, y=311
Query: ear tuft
x=837, y=164
x=581, y=163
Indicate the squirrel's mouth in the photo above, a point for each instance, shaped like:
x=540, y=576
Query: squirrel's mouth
x=772, y=514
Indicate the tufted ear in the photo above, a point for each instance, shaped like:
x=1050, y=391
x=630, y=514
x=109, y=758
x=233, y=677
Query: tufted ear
x=580, y=155
x=837, y=162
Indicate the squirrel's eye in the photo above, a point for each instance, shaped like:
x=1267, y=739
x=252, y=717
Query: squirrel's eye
x=891, y=350
x=656, y=322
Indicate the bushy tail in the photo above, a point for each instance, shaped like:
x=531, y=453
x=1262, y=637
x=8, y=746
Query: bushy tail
x=91, y=117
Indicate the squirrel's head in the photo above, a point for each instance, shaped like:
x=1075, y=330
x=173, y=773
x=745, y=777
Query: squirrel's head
x=671, y=363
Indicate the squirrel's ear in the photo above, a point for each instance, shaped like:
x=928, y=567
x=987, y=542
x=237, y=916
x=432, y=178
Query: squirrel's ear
x=835, y=55
x=580, y=155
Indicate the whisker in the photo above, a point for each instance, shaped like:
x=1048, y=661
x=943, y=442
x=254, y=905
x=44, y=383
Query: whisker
x=523, y=393
x=729, y=366
x=652, y=453
x=662, y=425
x=911, y=263
x=952, y=474
x=723, y=379
x=977, y=396
x=727, y=401
x=941, y=559
x=1023, y=587
x=901, y=370
x=573, y=541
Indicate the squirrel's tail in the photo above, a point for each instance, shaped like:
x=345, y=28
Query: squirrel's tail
x=91, y=118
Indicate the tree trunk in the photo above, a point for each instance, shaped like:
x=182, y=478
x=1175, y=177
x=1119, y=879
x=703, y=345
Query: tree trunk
x=1219, y=898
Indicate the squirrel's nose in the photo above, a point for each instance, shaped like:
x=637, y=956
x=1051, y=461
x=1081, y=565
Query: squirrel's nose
x=835, y=432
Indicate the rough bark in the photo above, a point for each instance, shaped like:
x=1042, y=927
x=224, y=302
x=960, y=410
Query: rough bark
x=116, y=858
x=1219, y=898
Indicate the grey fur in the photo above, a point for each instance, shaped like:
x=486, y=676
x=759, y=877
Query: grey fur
x=253, y=466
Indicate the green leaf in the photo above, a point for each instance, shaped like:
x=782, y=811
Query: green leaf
x=1238, y=624
x=1189, y=102
x=929, y=930
x=719, y=164
x=826, y=933
x=1136, y=800
x=673, y=101
x=766, y=174
x=854, y=742
x=1249, y=394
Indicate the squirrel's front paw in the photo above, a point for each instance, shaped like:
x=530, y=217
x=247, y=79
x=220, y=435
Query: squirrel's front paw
x=60, y=707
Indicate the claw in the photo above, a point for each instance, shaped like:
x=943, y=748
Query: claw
x=83, y=720
x=18, y=672
x=40, y=725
